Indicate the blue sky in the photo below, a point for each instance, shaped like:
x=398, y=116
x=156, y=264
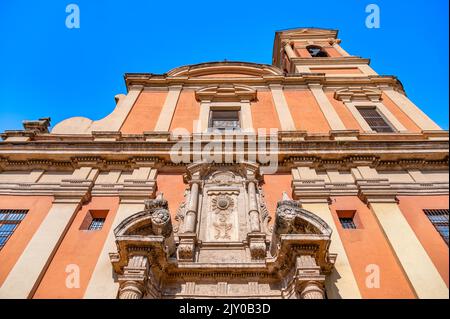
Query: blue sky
x=47, y=69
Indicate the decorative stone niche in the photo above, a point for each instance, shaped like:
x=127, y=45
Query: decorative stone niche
x=222, y=245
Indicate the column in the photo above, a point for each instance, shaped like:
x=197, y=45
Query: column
x=327, y=108
x=421, y=272
x=340, y=49
x=253, y=208
x=134, y=278
x=246, y=116
x=31, y=266
x=282, y=108
x=168, y=109
x=413, y=112
x=312, y=290
x=288, y=49
x=191, y=214
x=131, y=290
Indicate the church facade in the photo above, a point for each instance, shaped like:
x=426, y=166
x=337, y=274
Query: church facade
x=313, y=177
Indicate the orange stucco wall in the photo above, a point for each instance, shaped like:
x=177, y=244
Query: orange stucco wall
x=79, y=247
x=302, y=52
x=336, y=70
x=173, y=187
x=368, y=245
x=306, y=112
x=332, y=52
x=344, y=114
x=38, y=208
x=412, y=208
x=399, y=114
x=186, y=112
x=145, y=113
x=264, y=114
x=273, y=188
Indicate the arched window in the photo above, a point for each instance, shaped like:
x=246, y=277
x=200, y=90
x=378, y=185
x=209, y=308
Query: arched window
x=316, y=51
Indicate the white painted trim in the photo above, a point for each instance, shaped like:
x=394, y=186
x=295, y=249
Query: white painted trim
x=245, y=115
x=327, y=108
x=24, y=278
x=341, y=283
x=413, y=112
x=102, y=284
x=282, y=108
x=421, y=272
x=168, y=109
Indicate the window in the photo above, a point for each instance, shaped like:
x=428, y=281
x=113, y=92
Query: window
x=316, y=51
x=439, y=219
x=375, y=120
x=96, y=224
x=9, y=220
x=94, y=220
x=224, y=120
x=347, y=219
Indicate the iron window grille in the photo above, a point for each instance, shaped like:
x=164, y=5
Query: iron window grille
x=96, y=224
x=9, y=220
x=375, y=120
x=347, y=223
x=439, y=219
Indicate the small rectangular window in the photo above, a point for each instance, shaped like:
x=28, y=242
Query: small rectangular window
x=224, y=120
x=94, y=220
x=375, y=120
x=96, y=224
x=439, y=219
x=347, y=219
x=9, y=220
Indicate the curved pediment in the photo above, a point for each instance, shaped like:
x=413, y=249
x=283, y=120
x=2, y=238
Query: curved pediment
x=226, y=92
x=153, y=221
x=358, y=93
x=292, y=219
x=225, y=69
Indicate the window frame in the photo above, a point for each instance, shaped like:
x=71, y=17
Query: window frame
x=380, y=114
x=438, y=222
x=14, y=222
x=235, y=109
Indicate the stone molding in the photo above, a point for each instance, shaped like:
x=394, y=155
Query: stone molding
x=226, y=92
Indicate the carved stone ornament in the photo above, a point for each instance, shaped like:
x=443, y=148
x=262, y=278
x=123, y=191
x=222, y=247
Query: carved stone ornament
x=223, y=206
x=228, y=250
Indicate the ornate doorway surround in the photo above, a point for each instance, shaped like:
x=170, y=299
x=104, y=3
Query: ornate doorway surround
x=222, y=245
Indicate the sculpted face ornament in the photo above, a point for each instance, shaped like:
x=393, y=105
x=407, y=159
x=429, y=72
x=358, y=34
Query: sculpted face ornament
x=160, y=216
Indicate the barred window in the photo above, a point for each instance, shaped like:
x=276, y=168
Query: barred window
x=224, y=120
x=439, y=219
x=96, y=224
x=316, y=51
x=347, y=223
x=9, y=220
x=375, y=120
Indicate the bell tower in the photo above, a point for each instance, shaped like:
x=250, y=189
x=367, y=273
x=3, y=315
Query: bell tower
x=312, y=50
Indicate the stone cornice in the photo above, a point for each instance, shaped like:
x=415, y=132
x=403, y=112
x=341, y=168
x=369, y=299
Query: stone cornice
x=163, y=81
x=330, y=61
x=124, y=154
